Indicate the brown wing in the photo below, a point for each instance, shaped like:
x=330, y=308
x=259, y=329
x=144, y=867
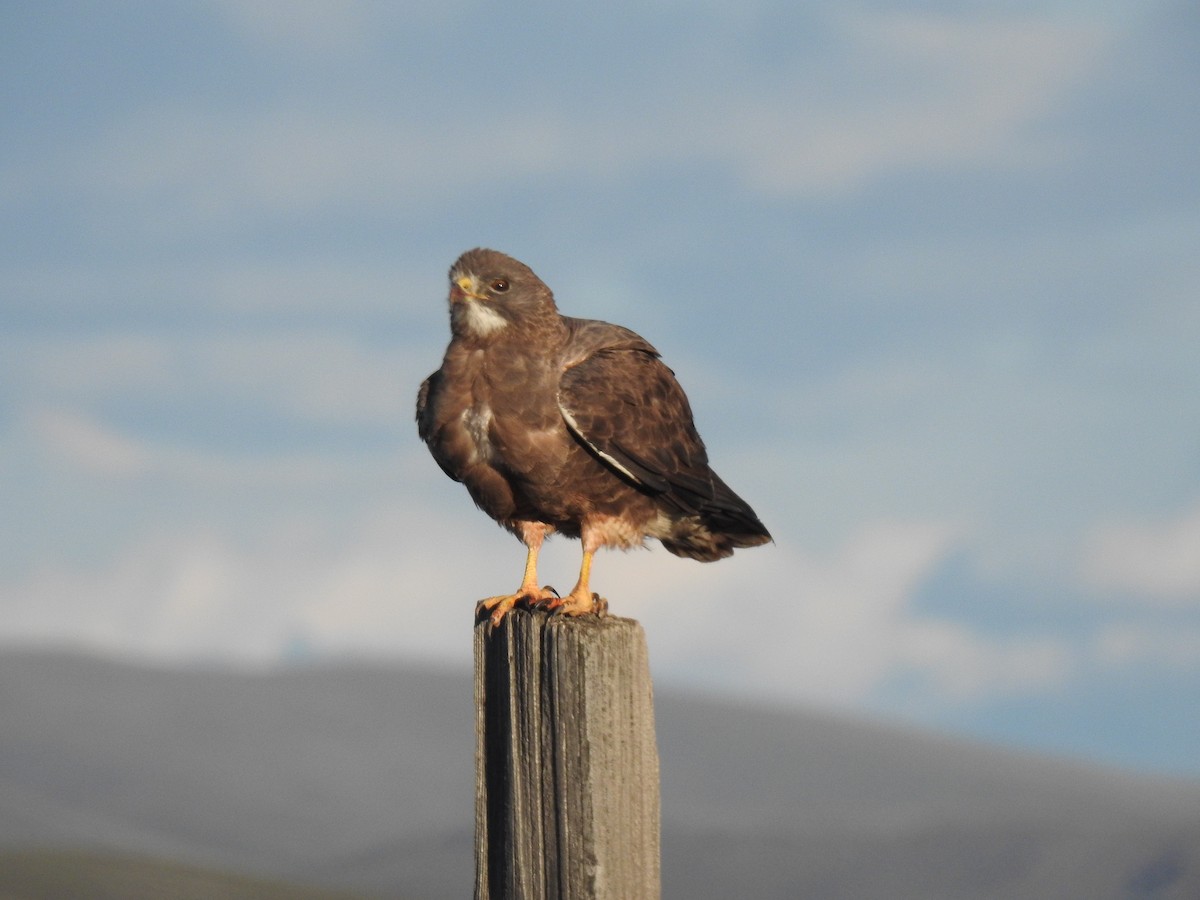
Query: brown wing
x=424, y=408
x=429, y=428
x=626, y=406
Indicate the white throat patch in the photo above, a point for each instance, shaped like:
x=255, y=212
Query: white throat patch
x=483, y=320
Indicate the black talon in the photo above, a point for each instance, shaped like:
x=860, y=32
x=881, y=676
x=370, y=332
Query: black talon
x=541, y=603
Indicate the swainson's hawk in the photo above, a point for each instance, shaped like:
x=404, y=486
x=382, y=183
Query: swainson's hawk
x=575, y=426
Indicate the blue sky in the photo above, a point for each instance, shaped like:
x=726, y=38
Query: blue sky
x=929, y=273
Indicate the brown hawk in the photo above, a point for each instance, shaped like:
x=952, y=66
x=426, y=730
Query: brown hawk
x=575, y=426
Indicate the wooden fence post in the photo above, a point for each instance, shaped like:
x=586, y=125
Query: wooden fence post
x=566, y=765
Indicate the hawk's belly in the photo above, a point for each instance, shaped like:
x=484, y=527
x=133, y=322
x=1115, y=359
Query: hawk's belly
x=584, y=490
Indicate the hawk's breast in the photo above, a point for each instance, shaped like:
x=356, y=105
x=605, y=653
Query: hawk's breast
x=477, y=420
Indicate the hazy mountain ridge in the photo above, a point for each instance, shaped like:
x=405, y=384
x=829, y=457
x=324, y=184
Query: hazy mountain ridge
x=71, y=875
x=361, y=776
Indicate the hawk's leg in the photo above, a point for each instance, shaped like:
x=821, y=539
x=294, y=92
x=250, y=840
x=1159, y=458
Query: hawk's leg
x=581, y=600
x=532, y=534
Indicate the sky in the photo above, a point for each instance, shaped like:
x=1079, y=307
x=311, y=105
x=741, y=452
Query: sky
x=929, y=273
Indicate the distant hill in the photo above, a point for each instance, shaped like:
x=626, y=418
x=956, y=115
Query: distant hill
x=360, y=777
x=71, y=875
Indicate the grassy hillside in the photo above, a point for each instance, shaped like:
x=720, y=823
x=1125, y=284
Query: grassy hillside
x=362, y=776
x=67, y=875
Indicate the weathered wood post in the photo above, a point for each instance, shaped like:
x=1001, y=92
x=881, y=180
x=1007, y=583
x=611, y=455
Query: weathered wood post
x=566, y=766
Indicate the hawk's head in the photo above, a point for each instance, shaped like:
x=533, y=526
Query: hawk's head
x=491, y=292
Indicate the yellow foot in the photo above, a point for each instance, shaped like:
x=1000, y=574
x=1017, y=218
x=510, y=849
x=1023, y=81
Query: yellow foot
x=496, y=608
x=578, y=605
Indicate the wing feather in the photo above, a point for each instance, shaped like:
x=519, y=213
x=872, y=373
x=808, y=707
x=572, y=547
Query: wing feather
x=626, y=406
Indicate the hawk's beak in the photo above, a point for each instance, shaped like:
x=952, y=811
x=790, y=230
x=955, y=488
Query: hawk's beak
x=465, y=286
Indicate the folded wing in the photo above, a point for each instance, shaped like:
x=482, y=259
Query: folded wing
x=624, y=404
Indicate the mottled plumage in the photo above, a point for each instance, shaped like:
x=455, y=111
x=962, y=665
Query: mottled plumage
x=556, y=424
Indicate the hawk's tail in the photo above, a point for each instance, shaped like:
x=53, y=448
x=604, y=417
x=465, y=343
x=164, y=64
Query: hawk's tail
x=713, y=523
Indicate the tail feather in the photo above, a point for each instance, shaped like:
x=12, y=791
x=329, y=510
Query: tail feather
x=713, y=523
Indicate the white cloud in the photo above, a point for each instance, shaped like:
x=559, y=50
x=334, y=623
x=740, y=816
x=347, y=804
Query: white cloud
x=92, y=447
x=173, y=167
x=937, y=91
x=326, y=27
x=1127, y=644
x=91, y=365
x=835, y=628
x=1157, y=561
x=378, y=586
x=832, y=629
x=331, y=28
x=952, y=92
x=877, y=636
x=318, y=376
x=131, y=604
x=338, y=288
x=963, y=666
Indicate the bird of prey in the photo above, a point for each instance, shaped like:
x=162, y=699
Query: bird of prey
x=574, y=426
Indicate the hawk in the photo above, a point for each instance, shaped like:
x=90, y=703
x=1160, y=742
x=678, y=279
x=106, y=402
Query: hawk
x=574, y=426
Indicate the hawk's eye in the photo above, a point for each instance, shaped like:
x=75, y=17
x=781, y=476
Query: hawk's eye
x=500, y=285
